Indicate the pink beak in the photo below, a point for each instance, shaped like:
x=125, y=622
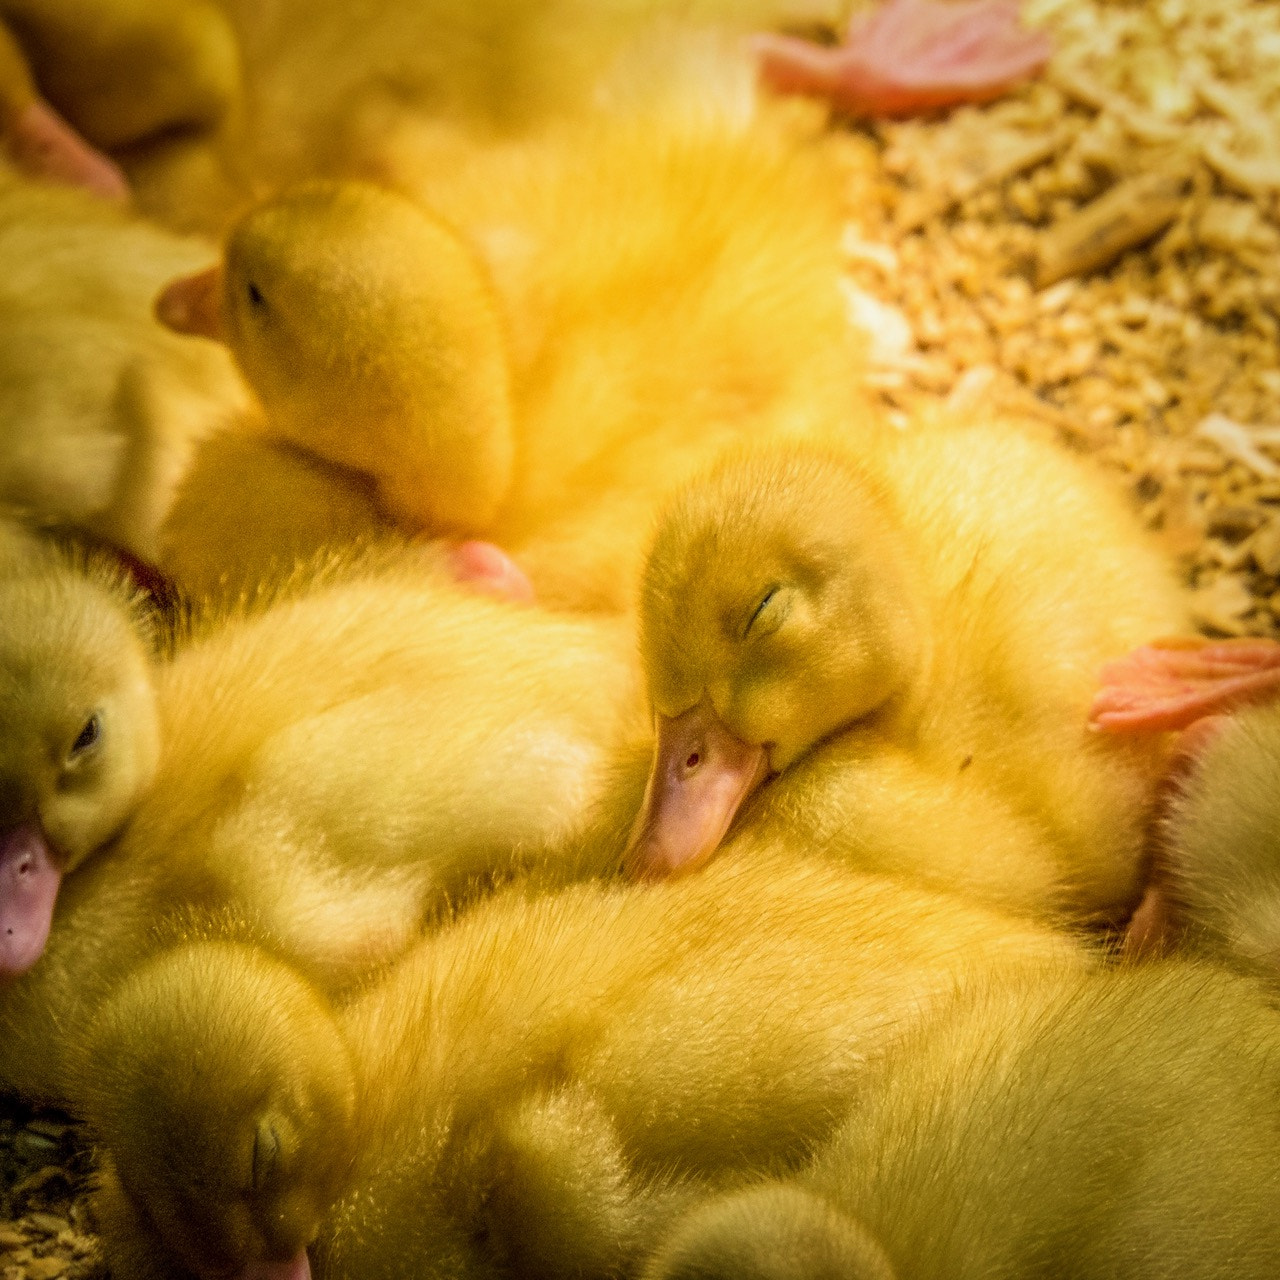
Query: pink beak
x=29, y=880
x=193, y=304
x=701, y=776
x=43, y=144
x=296, y=1268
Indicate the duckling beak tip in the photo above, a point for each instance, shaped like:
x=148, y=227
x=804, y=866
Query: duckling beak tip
x=44, y=145
x=29, y=882
x=701, y=776
x=193, y=304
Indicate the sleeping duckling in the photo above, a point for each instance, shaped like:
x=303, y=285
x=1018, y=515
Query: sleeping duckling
x=532, y=1091
x=578, y=321
x=80, y=740
x=341, y=761
x=99, y=405
x=1114, y=1123
x=39, y=141
x=896, y=652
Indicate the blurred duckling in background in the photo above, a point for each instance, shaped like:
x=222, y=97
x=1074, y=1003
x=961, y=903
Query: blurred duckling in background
x=152, y=83
x=38, y=141
x=81, y=734
x=532, y=1091
x=574, y=323
x=1113, y=1123
x=340, y=761
x=895, y=652
x=99, y=405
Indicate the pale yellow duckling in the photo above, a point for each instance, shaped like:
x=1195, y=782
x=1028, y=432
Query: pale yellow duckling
x=99, y=405
x=1115, y=1123
x=896, y=652
x=339, y=763
x=80, y=737
x=579, y=321
x=531, y=1091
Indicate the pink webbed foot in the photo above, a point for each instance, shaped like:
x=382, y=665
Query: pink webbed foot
x=488, y=568
x=41, y=143
x=911, y=56
x=1173, y=683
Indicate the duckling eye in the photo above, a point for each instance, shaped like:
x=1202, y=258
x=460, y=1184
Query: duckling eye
x=256, y=298
x=87, y=737
x=266, y=1148
x=769, y=613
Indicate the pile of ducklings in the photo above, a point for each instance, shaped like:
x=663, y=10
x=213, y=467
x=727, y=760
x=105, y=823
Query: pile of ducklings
x=510, y=766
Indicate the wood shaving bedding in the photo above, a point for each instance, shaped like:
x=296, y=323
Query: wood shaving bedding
x=1101, y=251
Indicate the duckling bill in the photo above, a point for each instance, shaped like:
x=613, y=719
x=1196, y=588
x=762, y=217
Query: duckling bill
x=29, y=880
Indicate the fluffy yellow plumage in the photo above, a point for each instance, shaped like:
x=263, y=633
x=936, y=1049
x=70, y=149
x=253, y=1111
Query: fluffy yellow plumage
x=581, y=319
x=534, y=1089
x=337, y=765
x=909, y=639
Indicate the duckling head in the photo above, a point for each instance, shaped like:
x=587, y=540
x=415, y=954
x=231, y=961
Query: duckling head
x=224, y=1096
x=79, y=739
x=775, y=611
x=372, y=335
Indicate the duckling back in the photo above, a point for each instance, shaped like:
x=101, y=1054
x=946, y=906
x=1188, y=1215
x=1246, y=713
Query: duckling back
x=1099, y=1124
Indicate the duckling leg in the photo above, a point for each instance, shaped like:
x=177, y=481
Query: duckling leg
x=488, y=568
x=1171, y=683
x=911, y=56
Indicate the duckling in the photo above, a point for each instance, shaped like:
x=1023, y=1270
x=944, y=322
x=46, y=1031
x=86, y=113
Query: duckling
x=575, y=323
x=81, y=740
x=39, y=141
x=534, y=1087
x=99, y=405
x=340, y=761
x=896, y=652
x=1114, y=1123
x=1209, y=878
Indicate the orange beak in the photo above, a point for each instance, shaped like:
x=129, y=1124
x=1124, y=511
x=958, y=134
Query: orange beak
x=701, y=776
x=193, y=304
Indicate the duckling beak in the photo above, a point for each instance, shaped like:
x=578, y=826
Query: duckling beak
x=29, y=880
x=43, y=144
x=296, y=1268
x=701, y=775
x=193, y=304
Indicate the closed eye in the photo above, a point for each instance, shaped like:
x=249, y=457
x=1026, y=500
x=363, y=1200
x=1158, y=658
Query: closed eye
x=760, y=608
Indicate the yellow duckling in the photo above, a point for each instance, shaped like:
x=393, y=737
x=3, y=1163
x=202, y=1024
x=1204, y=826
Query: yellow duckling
x=81, y=737
x=99, y=405
x=339, y=763
x=1217, y=876
x=532, y=1091
x=895, y=652
x=1114, y=1123
x=578, y=321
